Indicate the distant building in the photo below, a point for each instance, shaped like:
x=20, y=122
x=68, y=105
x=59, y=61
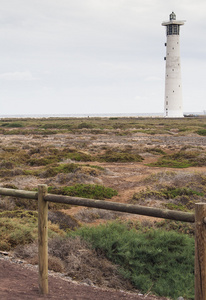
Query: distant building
x=173, y=106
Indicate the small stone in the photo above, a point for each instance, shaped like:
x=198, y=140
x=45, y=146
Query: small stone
x=87, y=281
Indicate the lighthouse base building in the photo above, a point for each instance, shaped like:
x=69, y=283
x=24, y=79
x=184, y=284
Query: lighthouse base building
x=173, y=106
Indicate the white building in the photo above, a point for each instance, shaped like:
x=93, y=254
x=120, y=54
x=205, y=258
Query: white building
x=173, y=83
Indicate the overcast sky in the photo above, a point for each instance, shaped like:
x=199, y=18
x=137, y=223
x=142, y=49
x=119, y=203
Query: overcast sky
x=96, y=56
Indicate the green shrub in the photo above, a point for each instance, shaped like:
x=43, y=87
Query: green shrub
x=119, y=156
x=12, y=125
x=181, y=159
x=20, y=228
x=79, y=156
x=169, y=192
x=162, y=262
x=43, y=161
x=84, y=190
x=155, y=150
x=62, y=168
x=85, y=125
x=201, y=132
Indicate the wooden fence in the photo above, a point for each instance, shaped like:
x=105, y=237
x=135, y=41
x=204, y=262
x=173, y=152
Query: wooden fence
x=43, y=198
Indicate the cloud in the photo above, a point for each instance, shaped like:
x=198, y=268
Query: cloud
x=153, y=78
x=17, y=76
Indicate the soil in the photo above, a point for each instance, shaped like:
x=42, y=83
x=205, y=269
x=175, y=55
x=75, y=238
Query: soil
x=20, y=282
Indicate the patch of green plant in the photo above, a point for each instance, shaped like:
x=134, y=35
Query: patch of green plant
x=43, y=161
x=85, y=191
x=62, y=168
x=201, y=132
x=15, y=231
x=159, y=261
x=173, y=206
x=167, y=162
x=181, y=159
x=85, y=125
x=13, y=156
x=79, y=156
x=32, y=215
x=172, y=192
x=169, y=192
x=12, y=124
x=119, y=156
x=95, y=167
x=20, y=228
x=155, y=150
x=56, y=125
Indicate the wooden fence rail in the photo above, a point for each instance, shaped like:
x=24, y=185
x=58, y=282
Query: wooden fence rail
x=43, y=198
x=127, y=208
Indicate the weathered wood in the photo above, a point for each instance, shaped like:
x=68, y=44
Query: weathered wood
x=128, y=208
x=132, y=209
x=18, y=193
x=43, y=239
x=200, y=251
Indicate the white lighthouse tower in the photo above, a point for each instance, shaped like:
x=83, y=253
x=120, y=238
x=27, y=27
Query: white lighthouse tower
x=173, y=84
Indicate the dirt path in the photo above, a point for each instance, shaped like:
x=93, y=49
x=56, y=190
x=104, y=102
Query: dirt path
x=19, y=283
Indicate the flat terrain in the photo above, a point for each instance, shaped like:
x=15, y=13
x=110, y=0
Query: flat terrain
x=128, y=155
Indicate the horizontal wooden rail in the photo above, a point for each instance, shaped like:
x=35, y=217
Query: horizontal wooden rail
x=115, y=206
x=19, y=193
x=127, y=208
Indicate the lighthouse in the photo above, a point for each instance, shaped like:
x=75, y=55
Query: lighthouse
x=173, y=83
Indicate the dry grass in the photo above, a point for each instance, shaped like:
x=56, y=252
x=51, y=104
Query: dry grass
x=65, y=222
x=90, y=215
x=79, y=261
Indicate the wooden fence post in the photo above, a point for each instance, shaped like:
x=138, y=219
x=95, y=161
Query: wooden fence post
x=43, y=239
x=200, y=251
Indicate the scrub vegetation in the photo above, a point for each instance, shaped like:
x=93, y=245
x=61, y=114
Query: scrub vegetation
x=146, y=161
x=103, y=125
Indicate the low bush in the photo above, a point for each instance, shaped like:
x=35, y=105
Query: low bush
x=21, y=228
x=159, y=261
x=169, y=192
x=119, y=156
x=12, y=124
x=181, y=159
x=85, y=190
x=64, y=221
x=155, y=150
x=201, y=132
x=55, y=169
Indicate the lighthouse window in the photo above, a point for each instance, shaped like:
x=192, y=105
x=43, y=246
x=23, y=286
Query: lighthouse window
x=176, y=29
x=166, y=102
x=173, y=29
